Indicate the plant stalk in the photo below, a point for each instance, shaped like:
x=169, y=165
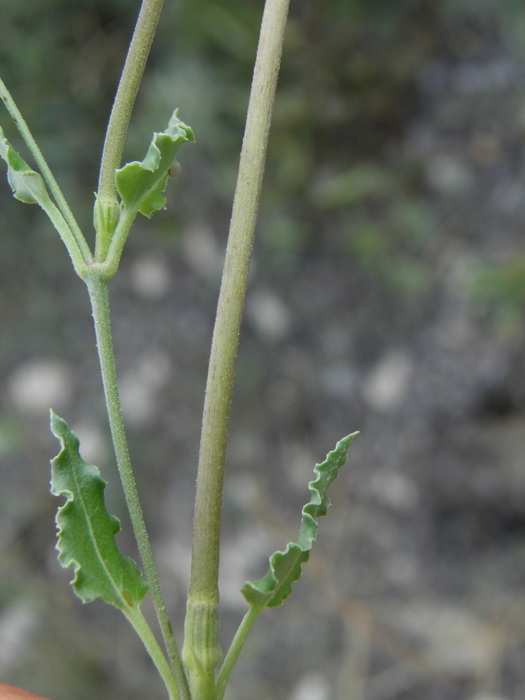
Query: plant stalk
x=203, y=589
x=131, y=77
x=98, y=292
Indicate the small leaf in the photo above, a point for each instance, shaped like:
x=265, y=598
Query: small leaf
x=285, y=567
x=27, y=185
x=86, y=532
x=141, y=185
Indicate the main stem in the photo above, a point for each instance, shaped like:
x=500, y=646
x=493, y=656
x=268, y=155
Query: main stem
x=203, y=590
x=98, y=293
x=125, y=98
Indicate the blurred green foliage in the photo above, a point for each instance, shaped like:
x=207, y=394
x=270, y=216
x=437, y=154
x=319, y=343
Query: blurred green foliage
x=499, y=289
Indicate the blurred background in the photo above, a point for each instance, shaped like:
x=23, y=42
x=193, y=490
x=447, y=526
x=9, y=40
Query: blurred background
x=387, y=295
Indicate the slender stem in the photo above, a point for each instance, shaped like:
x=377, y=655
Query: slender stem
x=98, y=292
x=45, y=170
x=118, y=240
x=125, y=98
x=141, y=627
x=216, y=416
x=235, y=649
x=219, y=388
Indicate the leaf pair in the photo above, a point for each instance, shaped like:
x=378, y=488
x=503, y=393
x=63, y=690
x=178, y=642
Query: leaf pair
x=86, y=531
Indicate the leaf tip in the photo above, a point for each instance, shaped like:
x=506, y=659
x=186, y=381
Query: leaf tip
x=176, y=124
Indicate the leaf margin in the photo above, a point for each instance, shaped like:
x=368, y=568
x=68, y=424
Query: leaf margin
x=270, y=590
x=149, y=177
x=126, y=599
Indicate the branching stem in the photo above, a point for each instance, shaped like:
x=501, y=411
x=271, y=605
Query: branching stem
x=98, y=292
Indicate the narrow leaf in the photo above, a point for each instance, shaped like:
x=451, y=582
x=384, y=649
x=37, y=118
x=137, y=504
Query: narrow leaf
x=285, y=567
x=141, y=184
x=86, y=532
x=28, y=186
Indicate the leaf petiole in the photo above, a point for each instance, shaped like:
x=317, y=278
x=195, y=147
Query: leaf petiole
x=235, y=649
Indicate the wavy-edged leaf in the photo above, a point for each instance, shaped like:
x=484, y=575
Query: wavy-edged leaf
x=141, y=184
x=28, y=186
x=285, y=567
x=86, y=532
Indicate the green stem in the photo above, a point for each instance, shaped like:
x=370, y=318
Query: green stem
x=141, y=627
x=45, y=171
x=235, y=649
x=203, y=589
x=98, y=292
x=125, y=98
x=118, y=240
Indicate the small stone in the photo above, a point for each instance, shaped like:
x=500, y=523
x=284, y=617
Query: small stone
x=386, y=385
x=448, y=174
x=268, y=315
x=151, y=278
x=201, y=251
x=313, y=686
x=40, y=384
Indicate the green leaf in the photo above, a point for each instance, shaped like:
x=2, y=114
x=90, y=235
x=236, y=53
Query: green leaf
x=285, y=567
x=141, y=185
x=28, y=186
x=86, y=532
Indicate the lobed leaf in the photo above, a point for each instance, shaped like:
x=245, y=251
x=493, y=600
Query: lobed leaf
x=86, y=532
x=286, y=566
x=141, y=184
x=28, y=186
